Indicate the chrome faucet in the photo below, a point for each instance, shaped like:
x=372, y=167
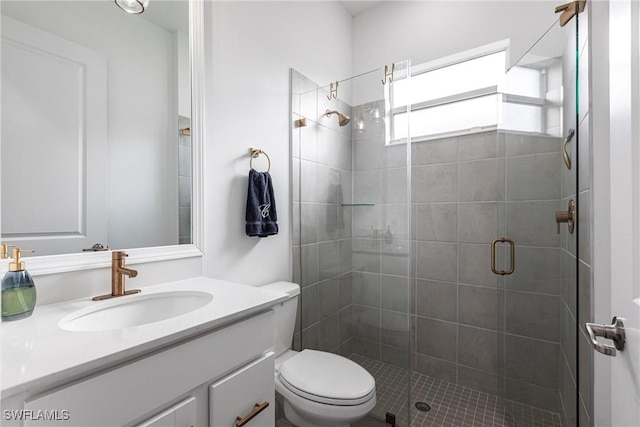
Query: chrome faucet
x=118, y=271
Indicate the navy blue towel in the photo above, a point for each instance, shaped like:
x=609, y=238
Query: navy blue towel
x=261, y=214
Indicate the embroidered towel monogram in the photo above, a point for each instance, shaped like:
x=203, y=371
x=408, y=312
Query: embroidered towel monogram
x=261, y=217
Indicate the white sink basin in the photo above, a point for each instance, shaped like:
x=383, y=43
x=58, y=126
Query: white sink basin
x=135, y=310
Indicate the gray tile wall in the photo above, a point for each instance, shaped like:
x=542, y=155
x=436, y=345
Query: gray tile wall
x=452, y=296
x=184, y=189
x=354, y=275
x=380, y=279
x=321, y=224
x=531, y=298
x=467, y=191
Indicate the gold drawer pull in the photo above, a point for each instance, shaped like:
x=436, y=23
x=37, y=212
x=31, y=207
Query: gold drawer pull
x=259, y=407
x=493, y=256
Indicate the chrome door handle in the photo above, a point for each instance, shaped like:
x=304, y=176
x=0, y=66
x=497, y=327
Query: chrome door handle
x=98, y=247
x=614, y=332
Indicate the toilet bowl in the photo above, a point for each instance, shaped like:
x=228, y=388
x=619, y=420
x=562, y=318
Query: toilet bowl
x=318, y=388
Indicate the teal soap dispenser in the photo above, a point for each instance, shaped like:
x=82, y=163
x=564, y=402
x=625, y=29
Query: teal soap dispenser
x=18, y=290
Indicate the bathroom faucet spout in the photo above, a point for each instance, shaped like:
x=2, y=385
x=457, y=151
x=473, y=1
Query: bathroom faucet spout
x=118, y=272
x=127, y=272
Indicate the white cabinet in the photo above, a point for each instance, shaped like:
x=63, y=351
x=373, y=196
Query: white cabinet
x=246, y=396
x=170, y=386
x=181, y=415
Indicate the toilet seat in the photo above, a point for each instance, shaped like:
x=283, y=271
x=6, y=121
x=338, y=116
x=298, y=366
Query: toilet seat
x=327, y=378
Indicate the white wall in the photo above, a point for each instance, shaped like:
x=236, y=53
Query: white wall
x=250, y=48
x=428, y=30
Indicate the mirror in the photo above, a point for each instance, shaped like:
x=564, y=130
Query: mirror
x=95, y=103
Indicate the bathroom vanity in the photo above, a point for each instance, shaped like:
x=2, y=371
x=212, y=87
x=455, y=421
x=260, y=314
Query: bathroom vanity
x=79, y=363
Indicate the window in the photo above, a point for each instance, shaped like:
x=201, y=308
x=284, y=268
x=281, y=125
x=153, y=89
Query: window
x=455, y=79
x=466, y=93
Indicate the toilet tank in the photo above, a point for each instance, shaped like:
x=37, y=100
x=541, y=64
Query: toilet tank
x=285, y=318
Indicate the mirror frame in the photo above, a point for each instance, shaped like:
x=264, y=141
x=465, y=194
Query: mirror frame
x=51, y=264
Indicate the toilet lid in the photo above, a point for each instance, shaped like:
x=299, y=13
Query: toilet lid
x=327, y=378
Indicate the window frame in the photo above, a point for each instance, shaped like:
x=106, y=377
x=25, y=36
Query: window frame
x=461, y=57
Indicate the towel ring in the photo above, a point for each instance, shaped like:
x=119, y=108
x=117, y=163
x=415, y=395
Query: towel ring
x=255, y=153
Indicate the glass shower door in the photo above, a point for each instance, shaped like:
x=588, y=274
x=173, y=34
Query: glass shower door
x=537, y=368
x=381, y=241
x=351, y=220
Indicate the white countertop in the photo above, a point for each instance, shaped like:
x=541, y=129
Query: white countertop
x=36, y=350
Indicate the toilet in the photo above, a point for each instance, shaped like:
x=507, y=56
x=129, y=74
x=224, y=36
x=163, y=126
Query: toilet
x=318, y=388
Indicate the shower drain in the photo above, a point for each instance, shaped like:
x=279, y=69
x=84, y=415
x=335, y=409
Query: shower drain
x=423, y=406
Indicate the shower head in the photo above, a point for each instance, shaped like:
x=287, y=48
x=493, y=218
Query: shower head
x=342, y=119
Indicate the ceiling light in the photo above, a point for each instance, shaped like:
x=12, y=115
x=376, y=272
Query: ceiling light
x=133, y=6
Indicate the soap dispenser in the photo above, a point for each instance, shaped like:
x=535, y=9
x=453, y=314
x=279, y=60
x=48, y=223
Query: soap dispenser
x=18, y=290
x=388, y=237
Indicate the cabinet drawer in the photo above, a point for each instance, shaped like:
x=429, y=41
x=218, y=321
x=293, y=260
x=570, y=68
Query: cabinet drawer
x=238, y=394
x=181, y=415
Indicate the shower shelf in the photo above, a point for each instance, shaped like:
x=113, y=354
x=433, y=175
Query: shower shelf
x=356, y=204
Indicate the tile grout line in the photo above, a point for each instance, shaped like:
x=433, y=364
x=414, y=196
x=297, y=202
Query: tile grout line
x=451, y=404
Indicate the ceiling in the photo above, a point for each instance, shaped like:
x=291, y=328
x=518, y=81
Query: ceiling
x=171, y=15
x=174, y=15
x=356, y=7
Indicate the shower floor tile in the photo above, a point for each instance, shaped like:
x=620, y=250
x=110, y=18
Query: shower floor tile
x=451, y=405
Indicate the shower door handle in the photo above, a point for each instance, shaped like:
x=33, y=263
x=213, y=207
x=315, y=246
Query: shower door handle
x=512, y=245
x=614, y=332
x=565, y=153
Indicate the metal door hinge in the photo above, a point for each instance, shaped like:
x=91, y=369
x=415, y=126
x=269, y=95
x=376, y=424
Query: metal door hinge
x=569, y=10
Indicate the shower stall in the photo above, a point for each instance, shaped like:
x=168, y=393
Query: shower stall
x=425, y=238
